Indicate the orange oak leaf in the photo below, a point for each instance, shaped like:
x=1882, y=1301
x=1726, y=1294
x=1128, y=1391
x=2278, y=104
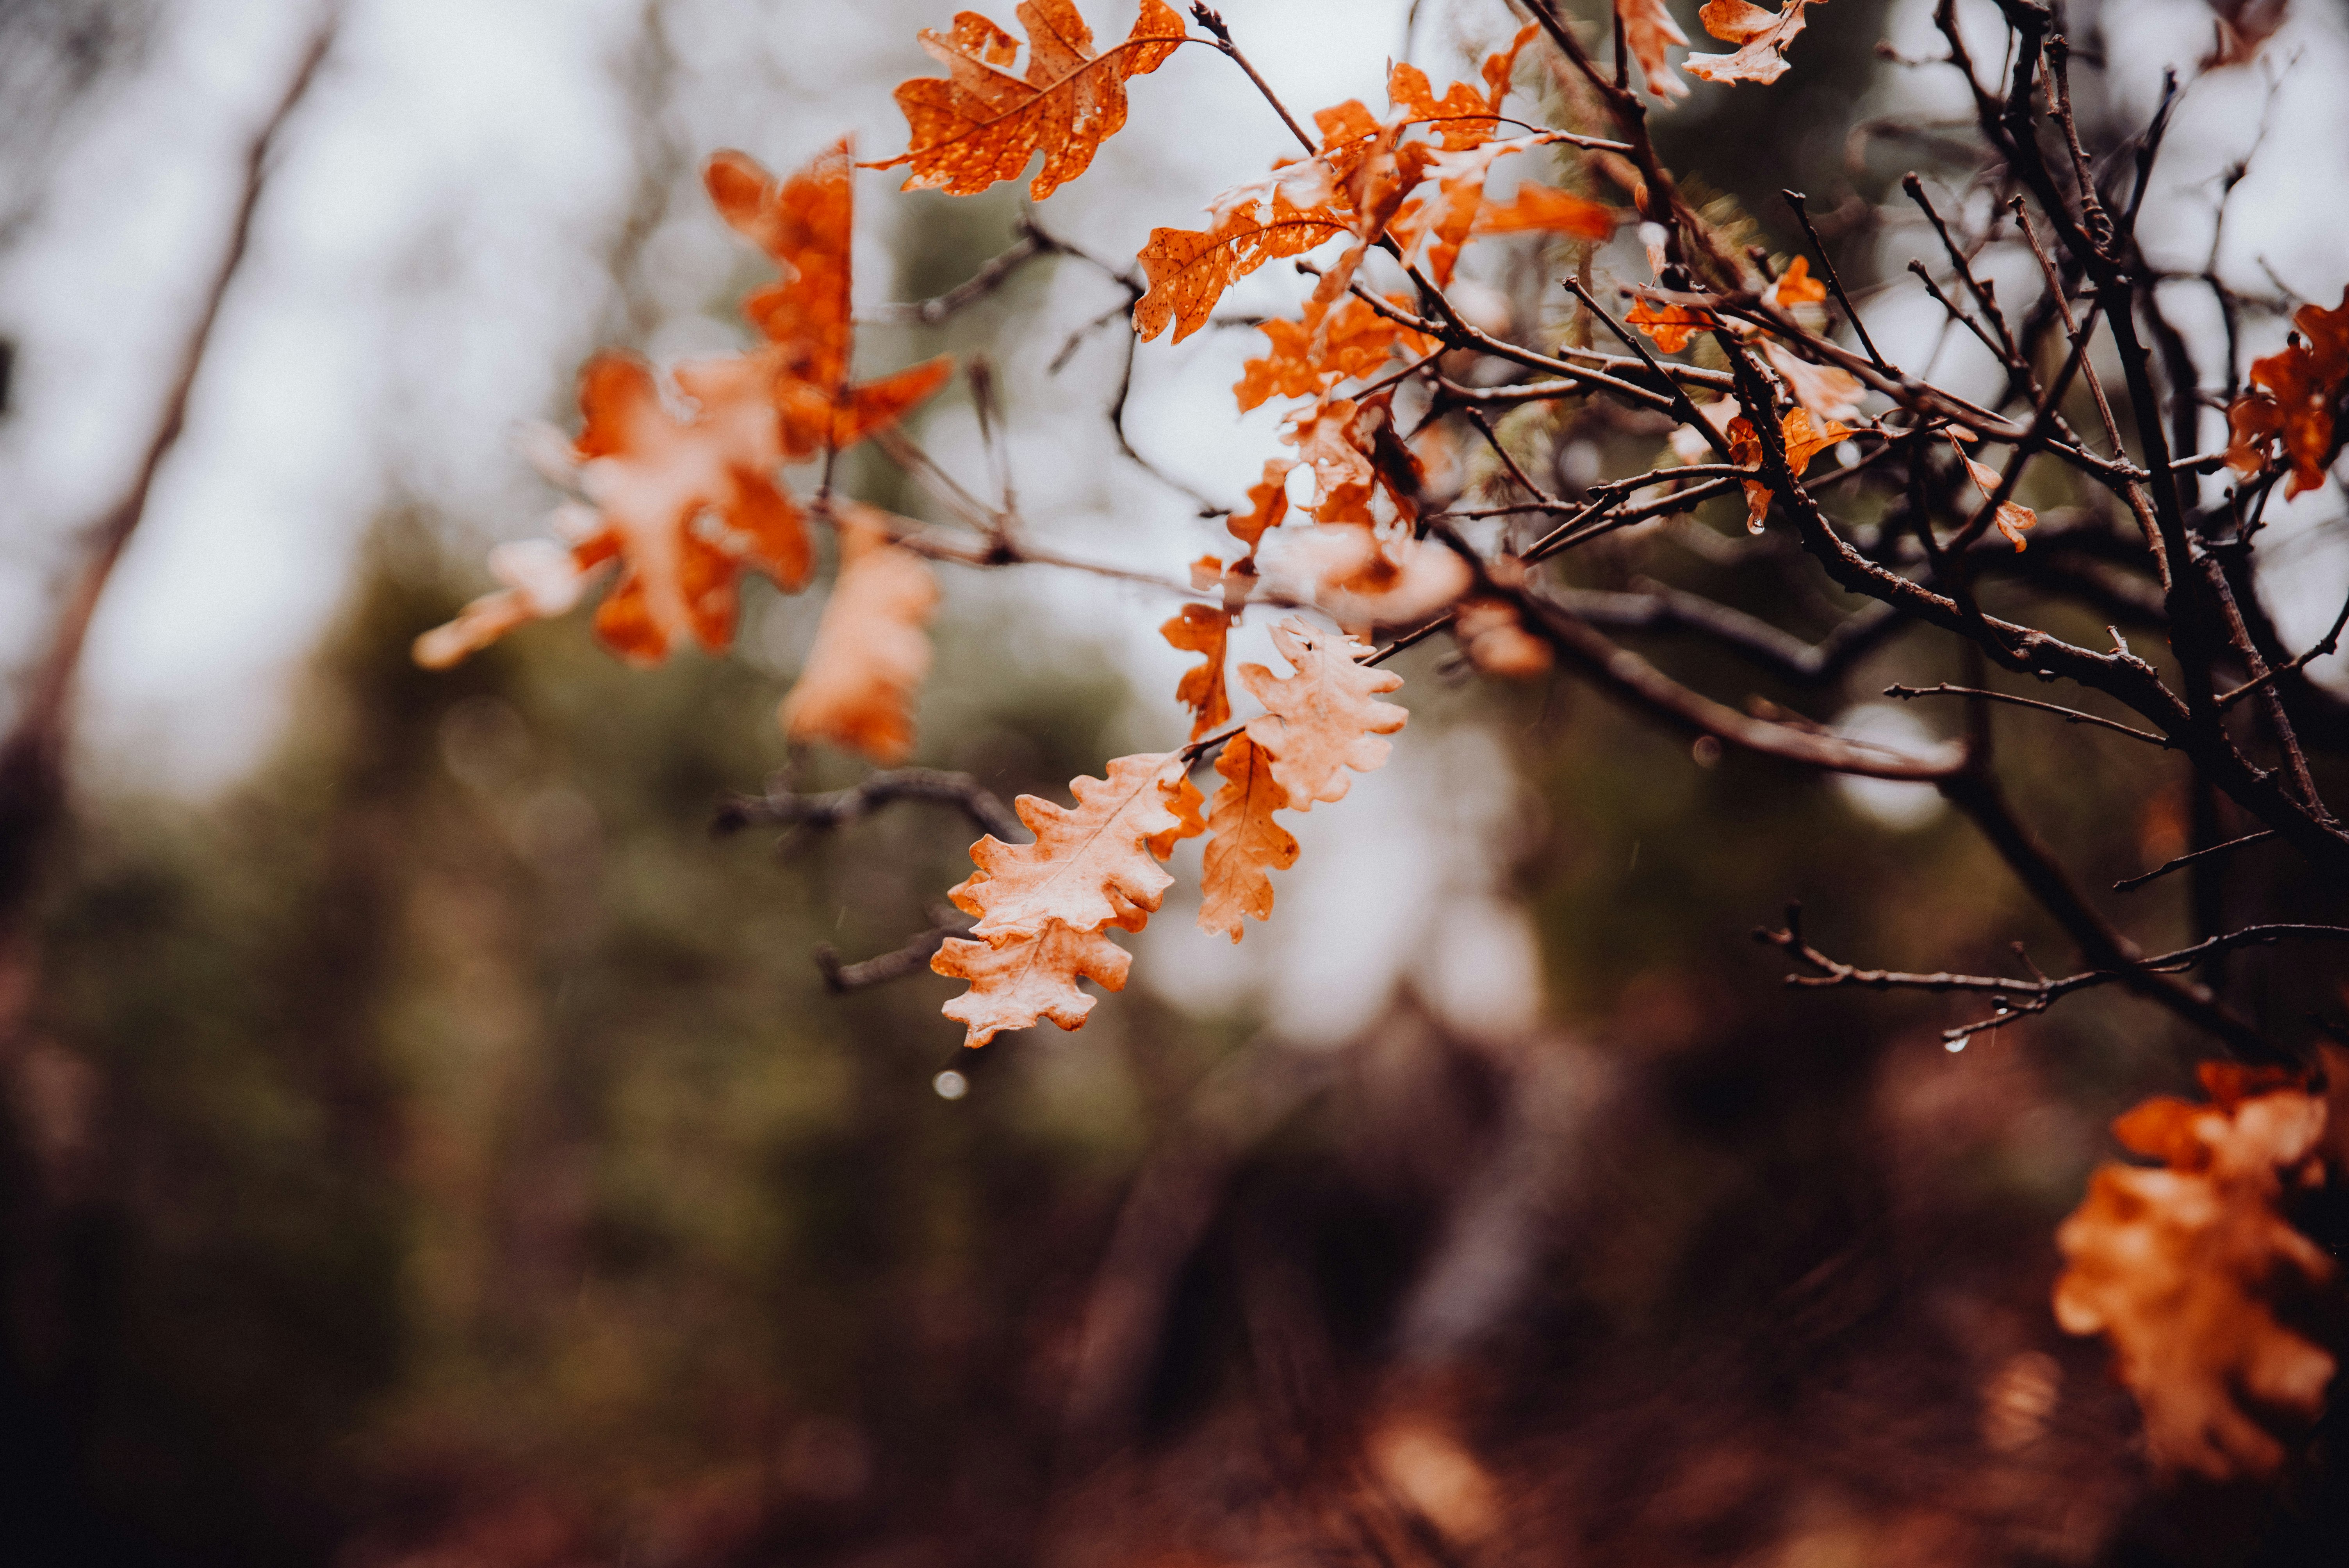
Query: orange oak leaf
x=1762, y=38
x=1323, y=718
x=1795, y=285
x=979, y=124
x=1802, y=441
x=2012, y=518
x=1463, y=117
x=1539, y=207
x=1089, y=865
x=1267, y=504
x=1201, y=629
x=1648, y=29
x=1184, y=800
x=1306, y=358
x=871, y=652
x=2183, y=1267
x=806, y=222
x=686, y=502
x=1024, y=978
x=1436, y=227
x=2295, y=395
x=1245, y=844
x=1670, y=326
x=1189, y=269
x=1494, y=636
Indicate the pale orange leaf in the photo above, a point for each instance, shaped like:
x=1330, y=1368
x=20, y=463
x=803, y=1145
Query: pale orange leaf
x=1763, y=38
x=2182, y=1268
x=1023, y=978
x=1648, y=29
x=871, y=652
x=1089, y=866
x=1323, y=718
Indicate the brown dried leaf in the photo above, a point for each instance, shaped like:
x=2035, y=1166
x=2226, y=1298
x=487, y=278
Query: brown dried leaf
x=1763, y=38
x=979, y=124
x=871, y=652
x=1325, y=717
x=1672, y=326
x=1246, y=844
x=2295, y=395
x=1648, y=29
x=1267, y=504
x=2182, y=1268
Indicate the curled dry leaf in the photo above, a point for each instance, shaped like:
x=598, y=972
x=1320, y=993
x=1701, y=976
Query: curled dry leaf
x=1494, y=636
x=1323, y=718
x=1672, y=326
x=2295, y=395
x=1649, y=30
x=1802, y=441
x=871, y=652
x=1795, y=287
x=1762, y=38
x=979, y=123
x=1826, y=391
x=1244, y=845
x=1089, y=865
x=2012, y=517
x=2182, y=1267
x=1201, y=629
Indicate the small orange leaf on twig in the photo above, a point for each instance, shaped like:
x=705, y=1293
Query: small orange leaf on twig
x=2295, y=395
x=1796, y=286
x=871, y=652
x=1802, y=441
x=1246, y=844
x=2012, y=517
x=1670, y=326
x=979, y=124
x=1201, y=629
x=1326, y=716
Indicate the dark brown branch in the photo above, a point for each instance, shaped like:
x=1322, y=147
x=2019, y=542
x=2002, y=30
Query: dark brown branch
x=2130, y=885
x=837, y=808
x=2016, y=998
x=2068, y=715
x=1799, y=202
x=895, y=964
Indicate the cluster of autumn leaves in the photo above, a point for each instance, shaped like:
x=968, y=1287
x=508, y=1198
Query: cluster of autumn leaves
x=2192, y=1268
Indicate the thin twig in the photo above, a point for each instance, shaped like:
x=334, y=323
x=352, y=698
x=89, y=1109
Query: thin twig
x=2130, y=885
